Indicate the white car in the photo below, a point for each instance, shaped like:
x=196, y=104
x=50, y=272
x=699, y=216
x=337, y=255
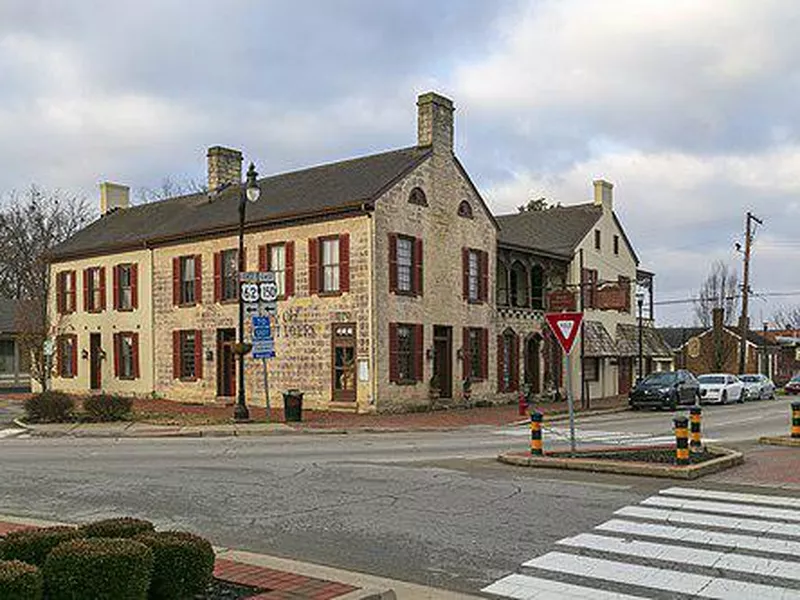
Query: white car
x=720, y=388
x=758, y=387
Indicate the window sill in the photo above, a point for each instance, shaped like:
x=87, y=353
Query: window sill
x=228, y=301
x=329, y=294
x=405, y=382
x=125, y=309
x=188, y=379
x=121, y=378
x=186, y=305
x=94, y=311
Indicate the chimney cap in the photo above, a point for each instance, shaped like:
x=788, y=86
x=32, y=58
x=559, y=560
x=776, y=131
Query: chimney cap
x=217, y=150
x=434, y=98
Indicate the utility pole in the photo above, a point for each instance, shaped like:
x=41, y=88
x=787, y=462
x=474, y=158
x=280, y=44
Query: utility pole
x=748, y=240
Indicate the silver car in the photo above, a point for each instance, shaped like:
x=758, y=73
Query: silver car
x=758, y=387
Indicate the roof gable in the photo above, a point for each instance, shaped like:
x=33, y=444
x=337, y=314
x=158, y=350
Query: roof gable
x=557, y=230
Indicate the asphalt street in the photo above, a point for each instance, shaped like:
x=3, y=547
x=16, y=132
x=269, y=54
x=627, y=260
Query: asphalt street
x=433, y=508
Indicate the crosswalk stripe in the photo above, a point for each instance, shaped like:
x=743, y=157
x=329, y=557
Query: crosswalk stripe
x=6, y=433
x=742, y=524
x=749, y=510
x=656, y=578
x=525, y=587
x=703, y=538
x=754, y=565
x=732, y=497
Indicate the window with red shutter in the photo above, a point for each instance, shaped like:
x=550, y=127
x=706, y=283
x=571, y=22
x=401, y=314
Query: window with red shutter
x=466, y=354
x=483, y=293
x=101, y=305
x=115, y=287
x=484, y=354
x=394, y=375
x=87, y=306
x=344, y=262
x=176, y=355
x=60, y=293
x=289, y=269
x=198, y=354
x=418, y=267
x=262, y=258
x=74, y=342
x=392, y=262
x=135, y=286
x=465, y=273
x=117, y=354
x=126, y=355
x=405, y=352
x=419, y=351
x=276, y=256
x=217, y=276
x=136, y=372
x=198, y=279
x=313, y=266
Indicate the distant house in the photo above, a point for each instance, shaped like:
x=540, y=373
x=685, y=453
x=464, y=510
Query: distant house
x=786, y=347
x=14, y=363
x=716, y=349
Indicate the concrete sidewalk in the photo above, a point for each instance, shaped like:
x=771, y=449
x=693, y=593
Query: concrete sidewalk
x=286, y=578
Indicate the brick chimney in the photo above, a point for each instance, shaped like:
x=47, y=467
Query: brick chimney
x=604, y=194
x=717, y=318
x=113, y=196
x=435, y=122
x=224, y=167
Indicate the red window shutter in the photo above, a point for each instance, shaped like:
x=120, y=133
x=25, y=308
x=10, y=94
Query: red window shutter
x=394, y=368
x=289, y=274
x=60, y=354
x=102, y=289
x=117, y=353
x=419, y=344
x=135, y=286
x=262, y=258
x=465, y=272
x=73, y=307
x=515, y=364
x=344, y=262
x=176, y=354
x=198, y=354
x=115, y=287
x=500, y=364
x=466, y=351
x=198, y=279
x=217, y=276
x=418, y=272
x=74, y=355
x=483, y=267
x=86, y=306
x=484, y=354
x=313, y=266
x=392, y=262
x=176, y=281
x=135, y=353
x=60, y=294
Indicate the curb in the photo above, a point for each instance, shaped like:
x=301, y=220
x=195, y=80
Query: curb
x=782, y=440
x=727, y=459
x=387, y=594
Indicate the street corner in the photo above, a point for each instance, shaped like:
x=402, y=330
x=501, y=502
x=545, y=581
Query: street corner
x=647, y=461
x=780, y=440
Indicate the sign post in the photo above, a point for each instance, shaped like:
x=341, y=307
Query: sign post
x=260, y=294
x=565, y=327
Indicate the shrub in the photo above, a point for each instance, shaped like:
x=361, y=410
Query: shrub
x=101, y=569
x=122, y=527
x=107, y=407
x=183, y=564
x=33, y=545
x=49, y=407
x=20, y=581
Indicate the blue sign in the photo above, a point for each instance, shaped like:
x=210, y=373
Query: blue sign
x=263, y=349
x=262, y=331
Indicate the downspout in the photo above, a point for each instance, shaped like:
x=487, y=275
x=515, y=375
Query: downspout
x=371, y=306
x=152, y=326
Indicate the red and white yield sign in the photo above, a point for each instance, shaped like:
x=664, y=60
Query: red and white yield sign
x=565, y=327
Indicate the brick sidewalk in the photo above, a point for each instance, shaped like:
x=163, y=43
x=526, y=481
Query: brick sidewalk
x=770, y=466
x=278, y=585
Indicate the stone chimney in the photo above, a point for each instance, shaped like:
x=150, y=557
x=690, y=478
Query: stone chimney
x=604, y=195
x=224, y=167
x=717, y=318
x=113, y=196
x=435, y=122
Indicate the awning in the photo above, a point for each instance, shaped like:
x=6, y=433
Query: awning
x=653, y=345
x=597, y=342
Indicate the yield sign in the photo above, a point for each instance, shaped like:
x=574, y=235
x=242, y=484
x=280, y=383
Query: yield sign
x=565, y=327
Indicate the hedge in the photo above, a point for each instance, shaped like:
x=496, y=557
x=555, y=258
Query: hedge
x=99, y=568
x=107, y=407
x=122, y=527
x=49, y=407
x=33, y=545
x=183, y=564
x=20, y=581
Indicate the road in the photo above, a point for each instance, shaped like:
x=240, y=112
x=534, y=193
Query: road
x=433, y=508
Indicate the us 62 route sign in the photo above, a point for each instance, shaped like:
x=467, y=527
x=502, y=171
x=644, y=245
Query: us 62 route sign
x=259, y=292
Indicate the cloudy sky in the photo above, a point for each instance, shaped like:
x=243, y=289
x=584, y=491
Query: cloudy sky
x=690, y=108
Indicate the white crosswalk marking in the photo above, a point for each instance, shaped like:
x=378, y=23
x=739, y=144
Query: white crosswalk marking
x=595, y=436
x=727, y=545
x=13, y=432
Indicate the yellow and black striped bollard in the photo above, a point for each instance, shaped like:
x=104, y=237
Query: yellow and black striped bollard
x=695, y=442
x=796, y=419
x=536, y=433
x=681, y=440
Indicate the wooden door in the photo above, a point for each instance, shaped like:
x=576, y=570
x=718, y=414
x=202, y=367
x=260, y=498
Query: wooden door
x=532, y=368
x=443, y=359
x=226, y=363
x=625, y=368
x=343, y=360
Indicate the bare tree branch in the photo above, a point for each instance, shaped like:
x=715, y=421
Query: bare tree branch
x=720, y=289
x=170, y=188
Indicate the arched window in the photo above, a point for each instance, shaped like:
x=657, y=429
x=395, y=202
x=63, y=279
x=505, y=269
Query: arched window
x=508, y=361
x=519, y=286
x=465, y=209
x=417, y=196
x=537, y=287
x=502, y=284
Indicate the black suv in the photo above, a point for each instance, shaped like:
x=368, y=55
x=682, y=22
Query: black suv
x=665, y=389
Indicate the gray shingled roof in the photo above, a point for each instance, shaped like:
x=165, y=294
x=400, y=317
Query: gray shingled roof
x=309, y=191
x=675, y=337
x=557, y=230
x=597, y=342
x=652, y=342
x=8, y=315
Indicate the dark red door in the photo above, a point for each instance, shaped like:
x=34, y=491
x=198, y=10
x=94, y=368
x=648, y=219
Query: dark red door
x=625, y=374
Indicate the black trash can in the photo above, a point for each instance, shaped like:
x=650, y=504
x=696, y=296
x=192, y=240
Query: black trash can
x=293, y=406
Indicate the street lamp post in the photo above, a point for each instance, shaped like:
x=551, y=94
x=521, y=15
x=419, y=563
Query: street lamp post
x=639, y=303
x=251, y=194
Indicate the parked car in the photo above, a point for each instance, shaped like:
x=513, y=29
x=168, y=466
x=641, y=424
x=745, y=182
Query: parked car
x=793, y=386
x=758, y=387
x=721, y=388
x=665, y=389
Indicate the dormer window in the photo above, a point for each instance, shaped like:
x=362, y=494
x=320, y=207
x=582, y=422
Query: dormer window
x=465, y=210
x=417, y=196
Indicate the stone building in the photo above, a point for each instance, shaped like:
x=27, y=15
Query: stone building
x=14, y=360
x=398, y=286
